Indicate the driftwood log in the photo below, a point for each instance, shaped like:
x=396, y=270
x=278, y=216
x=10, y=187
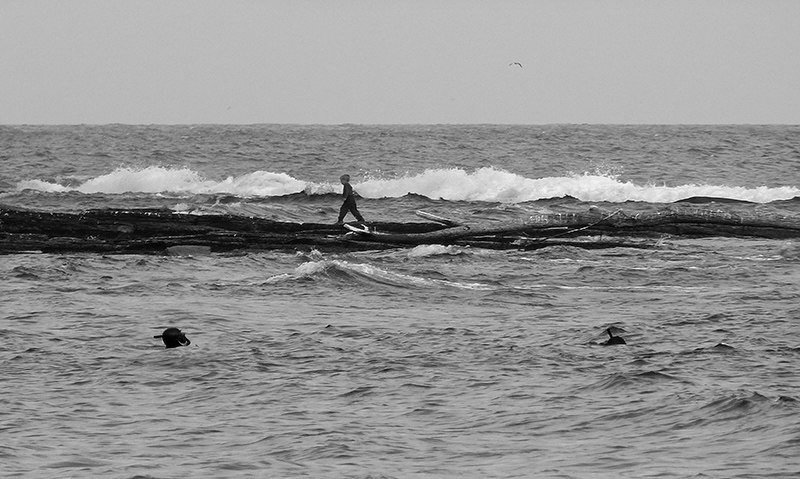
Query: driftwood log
x=158, y=231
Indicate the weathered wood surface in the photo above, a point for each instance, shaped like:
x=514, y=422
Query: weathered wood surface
x=155, y=231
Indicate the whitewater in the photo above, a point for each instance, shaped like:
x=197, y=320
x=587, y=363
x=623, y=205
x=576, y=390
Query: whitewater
x=486, y=184
x=426, y=361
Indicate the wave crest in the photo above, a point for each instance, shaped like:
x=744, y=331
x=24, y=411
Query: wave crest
x=493, y=185
x=484, y=184
x=158, y=179
x=364, y=274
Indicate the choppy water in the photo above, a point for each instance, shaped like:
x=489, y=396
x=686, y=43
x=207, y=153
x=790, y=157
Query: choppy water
x=434, y=361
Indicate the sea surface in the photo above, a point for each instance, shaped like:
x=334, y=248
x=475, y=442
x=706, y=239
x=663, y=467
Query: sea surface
x=429, y=361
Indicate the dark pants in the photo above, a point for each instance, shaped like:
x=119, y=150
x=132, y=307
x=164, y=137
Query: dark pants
x=349, y=205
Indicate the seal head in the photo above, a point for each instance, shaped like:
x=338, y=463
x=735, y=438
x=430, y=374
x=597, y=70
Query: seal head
x=173, y=337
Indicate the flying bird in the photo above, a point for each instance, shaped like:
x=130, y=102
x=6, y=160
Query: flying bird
x=515, y=63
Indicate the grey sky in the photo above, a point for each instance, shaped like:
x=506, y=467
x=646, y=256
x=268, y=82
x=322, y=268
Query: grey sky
x=409, y=61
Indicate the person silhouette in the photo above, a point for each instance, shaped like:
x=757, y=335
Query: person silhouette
x=349, y=204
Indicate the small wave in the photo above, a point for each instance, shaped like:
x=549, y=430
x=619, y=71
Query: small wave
x=358, y=392
x=718, y=348
x=484, y=184
x=424, y=251
x=789, y=251
x=737, y=405
x=157, y=179
x=22, y=272
x=627, y=380
x=80, y=463
x=344, y=271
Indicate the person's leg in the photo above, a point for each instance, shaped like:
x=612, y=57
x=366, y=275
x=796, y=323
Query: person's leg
x=342, y=212
x=354, y=210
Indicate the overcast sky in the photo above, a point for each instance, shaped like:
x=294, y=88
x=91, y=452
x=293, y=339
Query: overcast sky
x=399, y=61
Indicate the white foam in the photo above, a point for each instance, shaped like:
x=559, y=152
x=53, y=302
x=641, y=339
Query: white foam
x=493, y=185
x=312, y=269
x=40, y=185
x=426, y=250
x=157, y=179
x=454, y=184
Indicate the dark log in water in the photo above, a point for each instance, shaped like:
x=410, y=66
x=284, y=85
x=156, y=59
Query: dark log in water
x=160, y=231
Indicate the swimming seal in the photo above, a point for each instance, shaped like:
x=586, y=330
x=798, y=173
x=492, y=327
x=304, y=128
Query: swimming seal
x=613, y=339
x=173, y=337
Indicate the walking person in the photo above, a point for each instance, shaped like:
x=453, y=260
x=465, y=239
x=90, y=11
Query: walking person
x=349, y=204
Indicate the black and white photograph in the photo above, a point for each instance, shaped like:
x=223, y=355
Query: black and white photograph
x=399, y=239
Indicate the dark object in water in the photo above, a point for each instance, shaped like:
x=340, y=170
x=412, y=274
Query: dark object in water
x=173, y=337
x=712, y=199
x=613, y=339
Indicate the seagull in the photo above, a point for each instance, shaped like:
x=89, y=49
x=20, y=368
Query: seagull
x=515, y=63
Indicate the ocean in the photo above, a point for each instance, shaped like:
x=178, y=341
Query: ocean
x=437, y=360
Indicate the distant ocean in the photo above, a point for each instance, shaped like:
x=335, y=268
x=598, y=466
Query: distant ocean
x=427, y=361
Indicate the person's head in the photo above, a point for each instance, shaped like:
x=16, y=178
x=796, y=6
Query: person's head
x=173, y=338
x=345, y=179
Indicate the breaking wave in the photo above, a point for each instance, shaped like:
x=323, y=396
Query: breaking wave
x=454, y=184
x=346, y=272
